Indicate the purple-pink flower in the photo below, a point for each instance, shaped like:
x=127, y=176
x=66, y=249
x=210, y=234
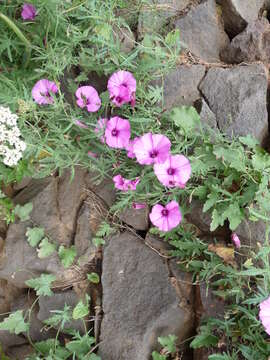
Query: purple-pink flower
x=175, y=171
x=100, y=128
x=87, y=96
x=122, y=88
x=129, y=148
x=43, y=90
x=165, y=218
x=152, y=148
x=123, y=184
x=138, y=206
x=92, y=154
x=236, y=240
x=117, y=133
x=29, y=12
x=264, y=314
x=80, y=124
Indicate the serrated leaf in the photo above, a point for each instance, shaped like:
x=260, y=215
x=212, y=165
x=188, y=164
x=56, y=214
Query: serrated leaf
x=81, y=346
x=234, y=215
x=67, y=255
x=217, y=220
x=204, y=340
x=45, y=346
x=15, y=323
x=46, y=248
x=210, y=202
x=249, y=141
x=93, y=277
x=186, y=118
x=81, y=310
x=23, y=212
x=34, y=235
x=168, y=342
x=157, y=356
x=42, y=284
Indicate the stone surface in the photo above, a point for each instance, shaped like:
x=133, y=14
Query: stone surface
x=238, y=13
x=208, y=118
x=140, y=301
x=251, y=233
x=202, y=31
x=240, y=106
x=126, y=39
x=57, y=302
x=207, y=303
x=181, y=85
x=8, y=293
x=253, y=44
x=138, y=219
x=7, y=340
x=19, y=352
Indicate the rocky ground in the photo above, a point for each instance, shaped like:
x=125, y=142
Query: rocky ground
x=223, y=72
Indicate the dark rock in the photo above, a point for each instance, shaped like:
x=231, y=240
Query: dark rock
x=140, y=302
x=181, y=85
x=240, y=106
x=202, y=354
x=47, y=304
x=126, y=39
x=20, y=352
x=104, y=189
x=7, y=340
x=238, y=13
x=208, y=118
x=137, y=218
x=209, y=304
x=3, y=227
x=8, y=293
x=22, y=184
x=202, y=31
x=253, y=44
x=84, y=233
x=251, y=233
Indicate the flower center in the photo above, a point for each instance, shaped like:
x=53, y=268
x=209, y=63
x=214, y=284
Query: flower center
x=118, y=99
x=153, y=154
x=171, y=171
x=114, y=132
x=165, y=212
x=124, y=85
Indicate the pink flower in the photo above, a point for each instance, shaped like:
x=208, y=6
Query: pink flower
x=123, y=184
x=87, y=96
x=100, y=128
x=150, y=149
x=264, y=314
x=29, y=12
x=80, y=124
x=138, y=206
x=175, y=171
x=117, y=132
x=166, y=218
x=42, y=91
x=129, y=148
x=92, y=154
x=236, y=240
x=122, y=88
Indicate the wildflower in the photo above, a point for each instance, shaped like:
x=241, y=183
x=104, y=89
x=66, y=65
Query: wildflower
x=236, y=240
x=166, y=218
x=264, y=314
x=129, y=148
x=123, y=184
x=87, y=96
x=150, y=149
x=80, y=124
x=122, y=88
x=100, y=128
x=11, y=145
x=42, y=91
x=138, y=206
x=175, y=171
x=117, y=132
x=29, y=12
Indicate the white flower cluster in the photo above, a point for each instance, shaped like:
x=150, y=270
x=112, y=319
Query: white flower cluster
x=11, y=146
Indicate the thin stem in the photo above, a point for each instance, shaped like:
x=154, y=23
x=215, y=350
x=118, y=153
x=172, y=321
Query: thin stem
x=20, y=35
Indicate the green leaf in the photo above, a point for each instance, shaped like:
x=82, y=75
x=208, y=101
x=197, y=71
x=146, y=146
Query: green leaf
x=204, y=340
x=249, y=141
x=186, y=118
x=81, y=309
x=45, y=346
x=157, y=356
x=67, y=255
x=168, y=342
x=34, y=235
x=24, y=211
x=15, y=323
x=210, y=202
x=234, y=215
x=46, y=248
x=81, y=346
x=217, y=220
x=93, y=277
x=42, y=284
x=97, y=241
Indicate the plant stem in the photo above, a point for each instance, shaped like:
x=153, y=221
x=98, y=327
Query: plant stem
x=20, y=35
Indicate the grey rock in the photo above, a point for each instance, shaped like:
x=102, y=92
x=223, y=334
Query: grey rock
x=238, y=13
x=57, y=302
x=137, y=218
x=8, y=293
x=126, y=39
x=181, y=85
x=253, y=44
x=202, y=31
x=84, y=233
x=209, y=304
x=140, y=302
x=208, y=118
x=20, y=352
x=251, y=233
x=240, y=106
x=7, y=340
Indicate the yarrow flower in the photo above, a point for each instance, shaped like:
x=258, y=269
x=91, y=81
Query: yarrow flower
x=165, y=218
x=123, y=184
x=117, y=132
x=152, y=148
x=264, y=314
x=42, y=91
x=122, y=88
x=100, y=129
x=11, y=145
x=236, y=240
x=29, y=12
x=87, y=96
x=175, y=171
